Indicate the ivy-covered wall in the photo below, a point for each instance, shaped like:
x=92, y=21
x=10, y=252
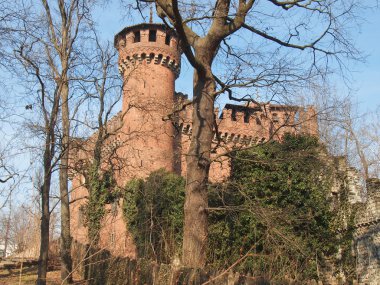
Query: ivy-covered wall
x=367, y=236
x=275, y=217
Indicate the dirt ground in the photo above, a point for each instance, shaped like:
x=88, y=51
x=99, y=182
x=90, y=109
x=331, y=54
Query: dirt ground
x=29, y=276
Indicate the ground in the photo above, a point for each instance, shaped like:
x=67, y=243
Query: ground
x=29, y=276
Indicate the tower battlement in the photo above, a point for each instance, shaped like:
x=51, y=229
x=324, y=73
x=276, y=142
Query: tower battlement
x=150, y=43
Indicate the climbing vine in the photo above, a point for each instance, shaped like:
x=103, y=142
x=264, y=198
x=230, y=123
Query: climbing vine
x=100, y=187
x=153, y=210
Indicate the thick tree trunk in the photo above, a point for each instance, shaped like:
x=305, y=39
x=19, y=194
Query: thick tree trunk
x=198, y=164
x=65, y=245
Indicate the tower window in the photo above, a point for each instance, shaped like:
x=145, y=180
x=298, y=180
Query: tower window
x=137, y=37
x=246, y=117
x=167, y=39
x=233, y=115
x=275, y=118
x=152, y=35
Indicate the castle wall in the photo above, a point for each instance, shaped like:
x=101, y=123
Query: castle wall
x=367, y=237
x=240, y=127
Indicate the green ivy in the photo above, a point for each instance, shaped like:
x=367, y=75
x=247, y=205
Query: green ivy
x=275, y=209
x=100, y=188
x=153, y=210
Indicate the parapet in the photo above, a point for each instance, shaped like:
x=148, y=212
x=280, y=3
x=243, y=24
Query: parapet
x=152, y=43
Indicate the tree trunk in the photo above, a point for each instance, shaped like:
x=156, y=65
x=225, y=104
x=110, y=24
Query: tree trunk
x=198, y=165
x=45, y=217
x=65, y=245
x=7, y=229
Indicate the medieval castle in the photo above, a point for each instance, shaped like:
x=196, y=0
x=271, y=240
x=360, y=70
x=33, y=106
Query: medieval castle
x=152, y=130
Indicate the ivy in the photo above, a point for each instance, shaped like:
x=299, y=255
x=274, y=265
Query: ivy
x=100, y=188
x=275, y=208
x=153, y=210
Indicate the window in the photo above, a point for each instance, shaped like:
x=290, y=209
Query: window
x=233, y=115
x=137, y=37
x=167, y=39
x=152, y=35
x=246, y=117
x=275, y=118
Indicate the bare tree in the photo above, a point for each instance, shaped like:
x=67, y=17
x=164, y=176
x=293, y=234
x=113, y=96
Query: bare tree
x=46, y=49
x=49, y=104
x=348, y=131
x=63, y=30
x=277, y=46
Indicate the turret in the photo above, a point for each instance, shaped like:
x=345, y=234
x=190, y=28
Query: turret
x=149, y=61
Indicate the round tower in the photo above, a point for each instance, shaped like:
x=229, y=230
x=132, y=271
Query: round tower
x=149, y=61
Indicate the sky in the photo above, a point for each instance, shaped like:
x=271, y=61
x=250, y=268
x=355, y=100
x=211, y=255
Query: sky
x=366, y=76
x=364, y=82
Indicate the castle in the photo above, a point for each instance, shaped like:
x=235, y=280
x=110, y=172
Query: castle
x=152, y=130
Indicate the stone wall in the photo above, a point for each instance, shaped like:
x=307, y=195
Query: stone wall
x=367, y=236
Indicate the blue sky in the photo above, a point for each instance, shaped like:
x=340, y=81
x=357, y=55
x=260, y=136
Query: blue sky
x=367, y=75
x=365, y=83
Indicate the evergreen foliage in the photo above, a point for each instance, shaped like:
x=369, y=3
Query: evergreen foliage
x=274, y=215
x=101, y=192
x=276, y=207
x=153, y=210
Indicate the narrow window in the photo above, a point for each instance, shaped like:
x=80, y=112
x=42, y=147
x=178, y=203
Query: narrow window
x=137, y=37
x=167, y=39
x=246, y=117
x=152, y=35
x=275, y=118
x=233, y=115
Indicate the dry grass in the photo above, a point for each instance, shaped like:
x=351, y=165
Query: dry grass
x=29, y=276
